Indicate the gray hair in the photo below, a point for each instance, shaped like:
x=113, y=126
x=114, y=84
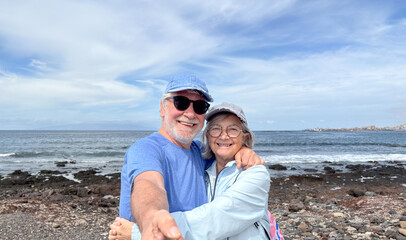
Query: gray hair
x=208, y=152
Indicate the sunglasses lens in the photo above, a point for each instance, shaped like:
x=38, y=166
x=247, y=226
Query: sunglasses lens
x=181, y=103
x=200, y=106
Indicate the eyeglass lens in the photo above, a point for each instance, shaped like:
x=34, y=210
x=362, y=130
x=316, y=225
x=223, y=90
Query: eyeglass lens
x=182, y=103
x=232, y=131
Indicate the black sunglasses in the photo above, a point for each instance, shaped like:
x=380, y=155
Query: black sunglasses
x=182, y=103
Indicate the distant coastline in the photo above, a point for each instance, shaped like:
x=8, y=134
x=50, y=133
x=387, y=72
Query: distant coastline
x=369, y=128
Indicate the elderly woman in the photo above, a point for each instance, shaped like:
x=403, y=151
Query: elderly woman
x=238, y=200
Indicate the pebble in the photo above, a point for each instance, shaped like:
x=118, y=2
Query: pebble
x=328, y=220
x=402, y=231
x=351, y=229
x=338, y=214
x=370, y=194
x=303, y=226
x=296, y=205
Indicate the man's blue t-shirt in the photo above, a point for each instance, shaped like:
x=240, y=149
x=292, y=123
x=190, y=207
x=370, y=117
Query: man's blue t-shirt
x=182, y=170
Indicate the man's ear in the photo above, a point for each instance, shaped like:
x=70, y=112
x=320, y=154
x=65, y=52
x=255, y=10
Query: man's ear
x=162, y=111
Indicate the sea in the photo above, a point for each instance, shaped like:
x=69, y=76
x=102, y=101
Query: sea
x=299, y=151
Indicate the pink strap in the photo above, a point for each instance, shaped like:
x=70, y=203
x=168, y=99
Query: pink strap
x=275, y=232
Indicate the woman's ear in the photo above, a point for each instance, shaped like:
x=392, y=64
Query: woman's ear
x=245, y=137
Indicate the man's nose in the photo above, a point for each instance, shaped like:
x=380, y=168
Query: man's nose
x=189, y=112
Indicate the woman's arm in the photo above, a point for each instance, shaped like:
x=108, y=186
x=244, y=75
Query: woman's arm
x=244, y=203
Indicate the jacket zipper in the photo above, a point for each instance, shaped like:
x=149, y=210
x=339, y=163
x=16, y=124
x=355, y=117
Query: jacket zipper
x=215, y=184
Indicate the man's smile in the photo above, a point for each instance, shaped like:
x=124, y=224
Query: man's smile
x=189, y=124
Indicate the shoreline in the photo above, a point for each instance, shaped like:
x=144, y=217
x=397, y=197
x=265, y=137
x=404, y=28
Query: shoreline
x=68, y=169
x=367, y=202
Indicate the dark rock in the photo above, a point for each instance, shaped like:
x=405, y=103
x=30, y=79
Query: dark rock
x=61, y=164
x=278, y=167
x=392, y=212
x=103, y=202
x=357, y=167
x=32, y=195
x=296, y=205
x=76, y=191
x=89, y=177
x=57, y=181
x=20, y=174
x=357, y=225
x=49, y=172
x=105, y=189
x=306, y=179
x=114, y=176
x=356, y=192
x=329, y=170
x=391, y=233
x=85, y=174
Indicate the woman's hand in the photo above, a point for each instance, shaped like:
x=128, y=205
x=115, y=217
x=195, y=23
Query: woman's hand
x=120, y=229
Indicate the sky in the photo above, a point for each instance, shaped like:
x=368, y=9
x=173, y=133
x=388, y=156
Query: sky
x=291, y=65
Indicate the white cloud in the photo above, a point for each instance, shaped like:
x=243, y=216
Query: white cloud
x=37, y=64
x=44, y=93
x=289, y=59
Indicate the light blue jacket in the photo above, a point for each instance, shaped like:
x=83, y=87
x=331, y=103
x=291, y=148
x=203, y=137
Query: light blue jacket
x=237, y=208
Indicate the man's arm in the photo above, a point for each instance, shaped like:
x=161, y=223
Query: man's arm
x=247, y=158
x=149, y=207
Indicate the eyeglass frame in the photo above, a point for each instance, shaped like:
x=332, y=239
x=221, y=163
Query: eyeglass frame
x=221, y=132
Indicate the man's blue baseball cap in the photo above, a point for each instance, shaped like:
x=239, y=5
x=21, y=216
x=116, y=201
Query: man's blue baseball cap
x=188, y=82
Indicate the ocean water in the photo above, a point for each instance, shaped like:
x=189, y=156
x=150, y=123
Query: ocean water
x=299, y=151
x=306, y=151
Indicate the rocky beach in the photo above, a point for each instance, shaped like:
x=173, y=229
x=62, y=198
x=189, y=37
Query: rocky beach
x=369, y=202
x=365, y=202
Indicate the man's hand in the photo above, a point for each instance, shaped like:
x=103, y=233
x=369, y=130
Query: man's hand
x=149, y=207
x=247, y=158
x=163, y=226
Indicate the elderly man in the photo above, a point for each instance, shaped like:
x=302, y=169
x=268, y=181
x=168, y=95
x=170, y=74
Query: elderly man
x=164, y=172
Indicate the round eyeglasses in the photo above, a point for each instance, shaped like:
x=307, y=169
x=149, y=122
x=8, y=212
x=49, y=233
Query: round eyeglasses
x=231, y=131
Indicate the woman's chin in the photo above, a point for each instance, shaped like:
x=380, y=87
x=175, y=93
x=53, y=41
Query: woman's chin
x=224, y=156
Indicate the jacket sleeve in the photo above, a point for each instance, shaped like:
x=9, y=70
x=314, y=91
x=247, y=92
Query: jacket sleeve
x=240, y=206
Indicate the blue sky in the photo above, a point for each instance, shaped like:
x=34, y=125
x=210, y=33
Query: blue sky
x=291, y=65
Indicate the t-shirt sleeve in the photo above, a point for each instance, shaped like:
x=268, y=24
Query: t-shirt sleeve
x=143, y=156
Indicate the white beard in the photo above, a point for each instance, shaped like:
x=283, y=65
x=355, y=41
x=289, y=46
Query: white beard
x=177, y=135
